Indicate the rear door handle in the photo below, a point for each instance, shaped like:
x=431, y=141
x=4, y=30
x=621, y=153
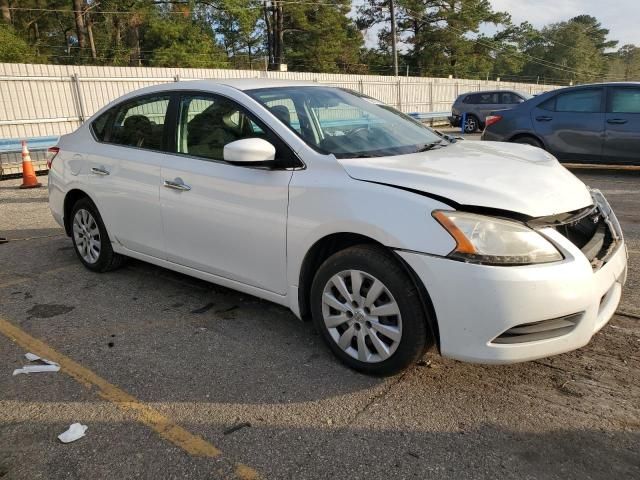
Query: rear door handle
x=99, y=171
x=617, y=121
x=177, y=185
x=544, y=118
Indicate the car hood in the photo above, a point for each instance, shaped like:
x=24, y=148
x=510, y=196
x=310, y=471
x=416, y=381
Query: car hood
x=506, y=176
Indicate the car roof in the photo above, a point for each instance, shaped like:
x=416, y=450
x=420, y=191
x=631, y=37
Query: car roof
x=508, y=90
x=242, y=84
x=237, y=83
x=607, y=84
x=253, y=83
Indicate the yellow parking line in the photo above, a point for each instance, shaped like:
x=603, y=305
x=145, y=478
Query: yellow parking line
x=161, y=424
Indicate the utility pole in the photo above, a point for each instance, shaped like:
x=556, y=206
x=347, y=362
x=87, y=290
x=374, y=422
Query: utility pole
x=394, y=49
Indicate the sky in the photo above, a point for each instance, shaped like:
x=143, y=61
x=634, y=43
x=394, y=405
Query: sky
x=619, y=16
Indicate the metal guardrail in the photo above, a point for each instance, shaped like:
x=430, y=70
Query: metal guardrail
x=429, y=115
x=11, y=158
x=13, y=145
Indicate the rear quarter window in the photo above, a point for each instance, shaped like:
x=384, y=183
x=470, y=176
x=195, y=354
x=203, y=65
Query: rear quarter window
x=99, y=126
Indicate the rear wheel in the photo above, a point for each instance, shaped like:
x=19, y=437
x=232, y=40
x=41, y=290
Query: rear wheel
x=90, y=238
x=527, y=140
x=368, y=311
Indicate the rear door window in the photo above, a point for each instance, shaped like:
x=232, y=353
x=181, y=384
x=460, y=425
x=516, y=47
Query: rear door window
x=580, y=101
x=488, y=98
x=140, y=123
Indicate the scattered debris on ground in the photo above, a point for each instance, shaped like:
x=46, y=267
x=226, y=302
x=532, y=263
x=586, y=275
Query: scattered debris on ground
x=44, y=365
x=236, y=427
x=75, y=432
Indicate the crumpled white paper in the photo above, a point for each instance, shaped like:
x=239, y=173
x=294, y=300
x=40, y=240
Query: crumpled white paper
x=74, y=432
x=49, y=367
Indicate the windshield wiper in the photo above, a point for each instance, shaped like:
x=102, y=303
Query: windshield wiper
x=429, y=146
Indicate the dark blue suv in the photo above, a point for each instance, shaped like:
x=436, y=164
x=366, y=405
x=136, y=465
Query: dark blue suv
x=597, y=123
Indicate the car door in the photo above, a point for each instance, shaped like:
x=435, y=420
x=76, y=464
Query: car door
x=571, y=124
x=622, y=124
x=487, y=103
x=224, y=219
x=124, y=171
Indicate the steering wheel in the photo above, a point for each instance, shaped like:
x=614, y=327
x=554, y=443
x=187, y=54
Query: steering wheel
x=357, y=131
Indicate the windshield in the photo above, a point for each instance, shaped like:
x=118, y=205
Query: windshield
x=332, y=120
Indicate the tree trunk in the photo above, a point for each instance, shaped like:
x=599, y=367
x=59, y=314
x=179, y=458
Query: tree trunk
x=117, y=35
x=92, y=44
x=135, y=60
x=6, y=13
x=269, y=23
x=279, y=36
x=80, y=27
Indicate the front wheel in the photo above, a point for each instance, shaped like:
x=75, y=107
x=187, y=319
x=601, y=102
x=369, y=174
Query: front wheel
x=368, y=311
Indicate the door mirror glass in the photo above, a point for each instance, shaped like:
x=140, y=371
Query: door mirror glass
x=249, y=151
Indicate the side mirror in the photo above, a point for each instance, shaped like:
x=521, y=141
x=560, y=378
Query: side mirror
x=249, y=151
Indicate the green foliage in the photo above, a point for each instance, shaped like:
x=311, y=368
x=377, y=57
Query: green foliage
x=435, y=38
x=239, y=26
x=179, y=42
x=320, y=38
x=14, y=48
x=569, y=51
x=625, y=64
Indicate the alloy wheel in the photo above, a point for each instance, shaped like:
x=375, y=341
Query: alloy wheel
x=87, y=236
x=362, y=316
x=470, y=125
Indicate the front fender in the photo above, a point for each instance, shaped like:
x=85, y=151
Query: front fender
x=391, y=216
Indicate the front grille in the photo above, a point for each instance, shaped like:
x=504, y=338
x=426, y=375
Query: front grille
x=542, y=330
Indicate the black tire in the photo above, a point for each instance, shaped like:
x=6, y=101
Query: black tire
x=379, y=263
x=528, y=140
x=472, y=124
x=106, y=260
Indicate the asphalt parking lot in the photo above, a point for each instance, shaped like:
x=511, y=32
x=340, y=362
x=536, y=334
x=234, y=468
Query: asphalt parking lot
x=179, y=378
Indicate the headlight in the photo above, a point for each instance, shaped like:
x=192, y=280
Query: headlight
x=495, y=241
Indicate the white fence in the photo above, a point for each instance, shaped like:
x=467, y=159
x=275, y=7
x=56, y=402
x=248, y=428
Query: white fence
x=42, y=100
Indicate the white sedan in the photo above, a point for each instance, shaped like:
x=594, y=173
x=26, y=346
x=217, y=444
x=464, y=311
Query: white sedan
x=391, y=237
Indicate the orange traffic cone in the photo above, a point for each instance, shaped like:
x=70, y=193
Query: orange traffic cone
x=29, y=179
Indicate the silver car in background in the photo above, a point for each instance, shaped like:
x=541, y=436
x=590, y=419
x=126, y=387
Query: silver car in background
x=477, y=105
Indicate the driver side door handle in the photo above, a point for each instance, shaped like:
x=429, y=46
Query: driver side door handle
x=175, y=185
x=544, y=118
x=99, y=171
